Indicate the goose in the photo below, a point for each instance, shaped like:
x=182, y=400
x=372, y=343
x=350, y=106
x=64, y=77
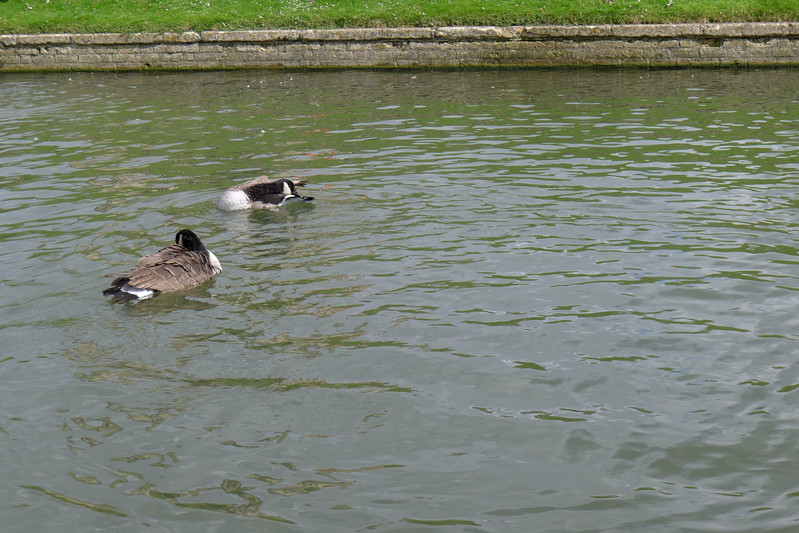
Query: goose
x=261, y=193
x=178, y=266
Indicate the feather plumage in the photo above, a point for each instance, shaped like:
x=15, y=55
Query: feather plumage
x=185, y=264
x=261, y=193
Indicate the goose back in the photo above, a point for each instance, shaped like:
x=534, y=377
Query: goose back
x=261, y=192
x=185, y=264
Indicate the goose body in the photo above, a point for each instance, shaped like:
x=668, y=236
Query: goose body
x=185, y=264
x=261, y=193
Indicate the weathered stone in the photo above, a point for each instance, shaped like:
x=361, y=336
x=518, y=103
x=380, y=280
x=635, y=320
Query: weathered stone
x=517, y=46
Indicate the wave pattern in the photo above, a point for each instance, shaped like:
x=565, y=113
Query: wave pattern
x=517, y=294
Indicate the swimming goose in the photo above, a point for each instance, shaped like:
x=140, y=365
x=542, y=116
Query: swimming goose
x=179, y=266
x=260, y=193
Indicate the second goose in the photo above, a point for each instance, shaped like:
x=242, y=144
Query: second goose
x=261, y=193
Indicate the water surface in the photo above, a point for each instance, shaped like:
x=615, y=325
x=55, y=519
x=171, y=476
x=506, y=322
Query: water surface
x=518, y=295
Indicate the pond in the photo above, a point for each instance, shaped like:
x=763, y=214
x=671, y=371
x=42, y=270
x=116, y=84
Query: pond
x=523, y=300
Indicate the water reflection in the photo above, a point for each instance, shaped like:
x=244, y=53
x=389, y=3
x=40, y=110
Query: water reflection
x=517, y=294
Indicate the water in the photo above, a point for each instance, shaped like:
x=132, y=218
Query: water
x=522, y=301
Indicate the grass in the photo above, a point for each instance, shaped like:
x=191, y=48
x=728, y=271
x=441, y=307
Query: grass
x=51, y=16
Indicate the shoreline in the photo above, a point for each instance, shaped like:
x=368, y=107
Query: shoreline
x=636, y=45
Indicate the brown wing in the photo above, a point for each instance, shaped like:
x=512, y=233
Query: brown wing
x=169, y=269
x=266, y=181
x=153, y=259
x=164, y=254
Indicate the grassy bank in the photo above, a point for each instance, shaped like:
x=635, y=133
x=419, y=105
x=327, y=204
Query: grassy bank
x=48, y=16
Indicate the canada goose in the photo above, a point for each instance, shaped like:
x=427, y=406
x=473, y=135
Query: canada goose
x=179, y=266
x=261, y=193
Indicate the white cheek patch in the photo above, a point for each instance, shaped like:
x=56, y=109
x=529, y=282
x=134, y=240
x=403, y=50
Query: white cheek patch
x=215, y=264
x=286, y=189
x=289, y=199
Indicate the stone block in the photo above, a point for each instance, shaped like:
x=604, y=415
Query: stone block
x=532, y=46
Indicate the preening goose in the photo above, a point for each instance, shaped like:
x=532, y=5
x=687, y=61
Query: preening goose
x=179, y=266
x=261, y=193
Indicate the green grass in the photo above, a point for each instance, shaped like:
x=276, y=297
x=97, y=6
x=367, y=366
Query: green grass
x=49, y=16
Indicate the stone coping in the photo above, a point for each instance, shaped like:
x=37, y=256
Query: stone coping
x=746, y=30
x=662, y=45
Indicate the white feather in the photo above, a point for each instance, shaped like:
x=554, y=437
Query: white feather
x=215, y=264
x=290, y=199
x=233, y=201
x=141, y=294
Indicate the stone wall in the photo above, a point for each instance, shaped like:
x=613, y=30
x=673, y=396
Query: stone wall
x=670, y=45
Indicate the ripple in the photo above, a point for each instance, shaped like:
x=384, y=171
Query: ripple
x=578, y=284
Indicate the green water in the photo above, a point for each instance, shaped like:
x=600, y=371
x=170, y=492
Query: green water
x=521, y=301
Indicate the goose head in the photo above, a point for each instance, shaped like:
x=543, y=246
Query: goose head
x=189, y=240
